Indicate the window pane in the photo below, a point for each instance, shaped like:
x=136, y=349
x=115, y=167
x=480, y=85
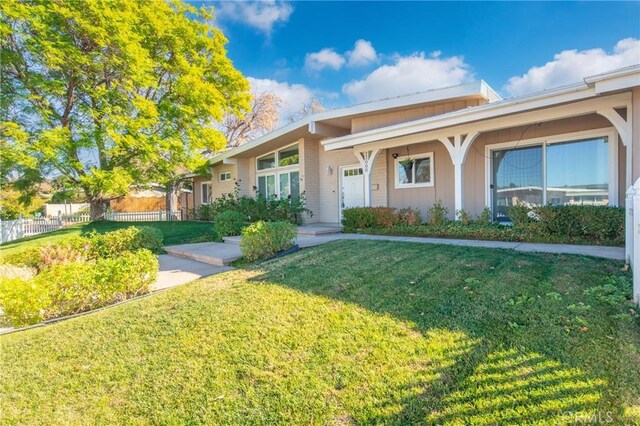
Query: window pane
x=405, y=173
x=517, y=179
x=267, y=162
x=423, y=170
x=288, y=156
x=262, y=186
x=271, y=185
x=578, y=172
x=284, y=185
x=295, y=184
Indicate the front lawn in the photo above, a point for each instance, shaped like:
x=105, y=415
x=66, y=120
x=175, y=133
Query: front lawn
x=349, y=332
x=179, y=232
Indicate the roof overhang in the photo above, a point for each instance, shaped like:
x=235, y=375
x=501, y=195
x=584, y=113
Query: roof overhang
x=591, y=88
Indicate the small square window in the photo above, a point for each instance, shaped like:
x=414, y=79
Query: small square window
x=267, y=162
x=414, y=171
x=223, y=177
x=288, y=156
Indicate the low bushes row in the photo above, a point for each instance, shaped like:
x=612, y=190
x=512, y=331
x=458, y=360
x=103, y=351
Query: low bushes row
x=73, y=287
x=254, y=209
x=261, y=240
x=554, y=224
x=598, y=224
x=77, y=274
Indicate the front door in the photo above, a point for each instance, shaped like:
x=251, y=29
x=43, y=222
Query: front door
x=351, y=187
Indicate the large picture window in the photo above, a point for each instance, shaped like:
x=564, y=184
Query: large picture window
x=277, y=173
x=560, y=173
x=414, y=171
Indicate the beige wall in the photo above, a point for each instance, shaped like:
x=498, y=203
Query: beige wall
x=219, y=188
x=423, y=198
x=375, y=121
x=310, y=177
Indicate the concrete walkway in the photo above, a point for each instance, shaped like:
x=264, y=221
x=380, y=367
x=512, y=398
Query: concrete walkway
x=175, y=271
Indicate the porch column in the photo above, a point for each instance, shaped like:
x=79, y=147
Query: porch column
x=624, y=129
x=635, y=241
x=628, y=226
x=366, y=159
x=458, y=146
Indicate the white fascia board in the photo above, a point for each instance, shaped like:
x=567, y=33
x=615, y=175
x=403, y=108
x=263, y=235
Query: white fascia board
x=490, y=110
x=618, y=83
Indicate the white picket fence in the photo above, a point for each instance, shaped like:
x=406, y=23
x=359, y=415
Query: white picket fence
x=26, y=227
x=632, y=236
x=159, y=216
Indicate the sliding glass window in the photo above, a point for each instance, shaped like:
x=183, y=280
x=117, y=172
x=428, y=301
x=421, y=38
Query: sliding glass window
x=575, y=172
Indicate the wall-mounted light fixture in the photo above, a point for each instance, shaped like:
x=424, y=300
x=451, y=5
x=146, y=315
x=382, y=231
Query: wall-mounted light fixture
x=329, y=170
x=394, y=155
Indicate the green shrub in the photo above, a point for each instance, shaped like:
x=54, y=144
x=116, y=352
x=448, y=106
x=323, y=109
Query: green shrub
x=271, y=209
x=230, y=223
x=73, y=287
x=485, y=217
x=409, y=216
x=28, y=257
x=23, y=302
x=369, y=217
x=129, y=239
x=261, y=240
x=599, y=224
x=519, y=215
x=438, y=214
x=463, y=216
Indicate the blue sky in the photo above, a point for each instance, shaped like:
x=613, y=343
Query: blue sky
x=349, y=52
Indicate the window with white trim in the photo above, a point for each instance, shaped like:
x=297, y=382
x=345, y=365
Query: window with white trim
x=224, y=177
x=414, y=171
x=278, y=174
x=205, y=192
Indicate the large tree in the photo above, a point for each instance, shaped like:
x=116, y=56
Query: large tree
x=105, y=94
x=263, y=116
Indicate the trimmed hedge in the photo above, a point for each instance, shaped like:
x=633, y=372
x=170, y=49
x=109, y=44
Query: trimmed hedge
x=73, y=287
x=261, y=240
x=598, y=224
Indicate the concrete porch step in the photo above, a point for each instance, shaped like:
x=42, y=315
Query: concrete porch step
x=316, y=229
x=218, y=254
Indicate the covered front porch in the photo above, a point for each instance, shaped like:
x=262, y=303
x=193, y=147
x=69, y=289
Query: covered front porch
x=573, y=153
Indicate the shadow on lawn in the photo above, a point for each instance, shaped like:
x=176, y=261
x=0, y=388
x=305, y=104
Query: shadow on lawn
x=493, y=372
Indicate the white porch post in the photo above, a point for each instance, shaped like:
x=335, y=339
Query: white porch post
x=366, y=159
x=628, y=226
x=458, y=148
x=636, y=242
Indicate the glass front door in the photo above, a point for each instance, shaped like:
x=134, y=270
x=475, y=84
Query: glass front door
x=516, y=179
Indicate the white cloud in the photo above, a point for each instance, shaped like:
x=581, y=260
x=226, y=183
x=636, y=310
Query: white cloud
x=362, y=54
x=571, y=66
x=325, y=58
x=409, y=74
x=262, y=15
x=293, y=96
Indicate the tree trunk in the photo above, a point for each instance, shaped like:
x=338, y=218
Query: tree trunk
x=97, y=208
x=172, y=197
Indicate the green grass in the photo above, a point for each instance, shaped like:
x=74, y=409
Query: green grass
x=182, y=232
x=362, y=332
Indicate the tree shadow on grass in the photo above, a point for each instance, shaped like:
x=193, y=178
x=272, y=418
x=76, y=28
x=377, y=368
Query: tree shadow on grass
x=506, y=367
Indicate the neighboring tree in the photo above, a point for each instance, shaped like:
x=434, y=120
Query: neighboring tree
x=262, y=118
x=12, y=205
x=311, y=107
x=105, y=94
